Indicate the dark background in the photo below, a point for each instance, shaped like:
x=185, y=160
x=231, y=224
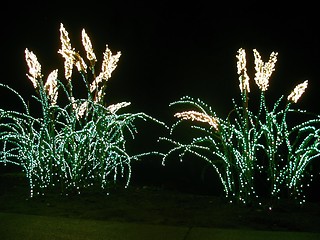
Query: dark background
x=169, y=49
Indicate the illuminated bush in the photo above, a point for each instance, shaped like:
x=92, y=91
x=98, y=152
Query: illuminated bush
x=80, y=144
x=252, y=148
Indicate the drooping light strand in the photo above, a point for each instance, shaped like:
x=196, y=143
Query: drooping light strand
x=252, y=145
x=297, y=92
x=115, y=107
x=76, y=146
x=198, y=116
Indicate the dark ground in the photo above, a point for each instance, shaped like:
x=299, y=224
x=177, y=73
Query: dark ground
x=157, y=205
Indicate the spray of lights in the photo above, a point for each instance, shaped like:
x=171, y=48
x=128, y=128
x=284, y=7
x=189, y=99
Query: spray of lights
x=78, y=145
x=248, y=147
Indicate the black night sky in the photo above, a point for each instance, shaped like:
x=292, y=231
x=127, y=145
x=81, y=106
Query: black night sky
x=169, y=49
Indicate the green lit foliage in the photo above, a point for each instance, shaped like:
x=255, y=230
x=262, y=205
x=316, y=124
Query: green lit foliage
x=252, y=149
x=78, y=145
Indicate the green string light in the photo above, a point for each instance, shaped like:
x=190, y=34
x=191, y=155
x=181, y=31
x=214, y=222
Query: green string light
x=76, y=146
x=247, y=146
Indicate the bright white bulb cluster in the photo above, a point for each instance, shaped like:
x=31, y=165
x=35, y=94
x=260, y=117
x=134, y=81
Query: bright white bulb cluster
x=78, y=145
x=247, y=147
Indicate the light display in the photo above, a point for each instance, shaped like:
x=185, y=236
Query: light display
x=78, y=145
x=248, y=147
